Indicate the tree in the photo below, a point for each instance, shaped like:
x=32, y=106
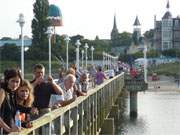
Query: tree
x=149, y=34
x=75, y=38
x=125, y=39
x=6, y=38
x=39, y=26
x=10, y=52
x=171, y=53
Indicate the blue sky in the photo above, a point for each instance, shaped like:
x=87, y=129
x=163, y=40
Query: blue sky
x=87, y=17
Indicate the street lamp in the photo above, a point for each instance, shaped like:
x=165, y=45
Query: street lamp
x=67, y=39
x=21, y=22
x=77, y=53
x=145, y=63
x=82, y=55
x=86, y=47
x=92, y=49
x=103, y=60
x=49, y=34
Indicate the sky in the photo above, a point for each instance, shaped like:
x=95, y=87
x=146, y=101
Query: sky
x=87, y=17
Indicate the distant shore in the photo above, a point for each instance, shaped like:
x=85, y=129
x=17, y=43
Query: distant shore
x=165, y=83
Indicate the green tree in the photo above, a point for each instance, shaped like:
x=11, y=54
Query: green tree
x=39, y=26
x=172, y=52
x=10, y=52
x=153, y=53
x=125, y=39
x=149, y=34
x=6, y=38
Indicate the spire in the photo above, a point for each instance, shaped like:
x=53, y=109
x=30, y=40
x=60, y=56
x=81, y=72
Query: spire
x=167, y=6
x=114, y=26
x=136, y=22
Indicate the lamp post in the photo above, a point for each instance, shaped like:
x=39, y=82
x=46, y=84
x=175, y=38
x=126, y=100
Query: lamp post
x=21, y=22
x=86, y=47
x=67, y=39
x=145, y=63
x=82, y=56
x=77, y=53
x=49, y=34
x=103, y=62
x=92, y=50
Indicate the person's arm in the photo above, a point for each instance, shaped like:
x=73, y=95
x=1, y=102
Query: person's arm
x=105, y=77
x=56, y=87
x=37, y=81
x=67, y=102
x=78, y=91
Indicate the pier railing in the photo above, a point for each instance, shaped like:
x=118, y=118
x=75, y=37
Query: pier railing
x=84, y=116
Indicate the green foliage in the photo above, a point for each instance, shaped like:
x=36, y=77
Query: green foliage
x=29, y=64
x=10, y=52
x=100, y=46
x=138, y=55
x=39, y=28
x=149, y=34
x=75, y=38
x=153, y=54
x=125, y=39
x=6, y=38
x=170, y=69
x=172, y=53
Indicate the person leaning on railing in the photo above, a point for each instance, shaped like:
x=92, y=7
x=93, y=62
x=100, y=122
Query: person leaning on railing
x=77, y=89
x=69, y=95
x=12, y=80
x=83, y=83
x=43, y=89
x=100, y=76
x=25, y=98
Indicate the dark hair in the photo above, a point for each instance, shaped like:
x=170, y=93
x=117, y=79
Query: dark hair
x=99, y=68
x=38, y=66
x=10, y=73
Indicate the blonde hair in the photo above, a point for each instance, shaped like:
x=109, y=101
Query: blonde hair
x=30, y=99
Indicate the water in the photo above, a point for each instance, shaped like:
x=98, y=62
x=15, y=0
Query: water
x=158, y=114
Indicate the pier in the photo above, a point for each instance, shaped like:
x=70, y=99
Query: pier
x=92, y=114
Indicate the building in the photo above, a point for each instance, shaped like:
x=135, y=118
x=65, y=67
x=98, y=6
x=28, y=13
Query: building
x=118, y=48
x=18, y=42
x=167, y=31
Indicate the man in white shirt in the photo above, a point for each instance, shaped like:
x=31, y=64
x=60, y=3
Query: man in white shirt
x=68, y=92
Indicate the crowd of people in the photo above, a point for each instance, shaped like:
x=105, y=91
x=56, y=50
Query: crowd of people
x=39, y=96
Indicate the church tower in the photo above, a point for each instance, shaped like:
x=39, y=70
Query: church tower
x=114, y=32
x=136, y=30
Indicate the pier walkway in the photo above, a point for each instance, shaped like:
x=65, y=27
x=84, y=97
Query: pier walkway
x=87, y=115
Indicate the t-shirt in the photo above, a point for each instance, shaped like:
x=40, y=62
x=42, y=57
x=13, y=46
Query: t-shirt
x=42, y=94
x=67, y=95
x=100, y=76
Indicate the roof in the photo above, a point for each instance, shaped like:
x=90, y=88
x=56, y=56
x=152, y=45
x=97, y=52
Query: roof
x=167, y=15
x=55, y=15
x=27, y=42
x=54, y=11
x=136, y=22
